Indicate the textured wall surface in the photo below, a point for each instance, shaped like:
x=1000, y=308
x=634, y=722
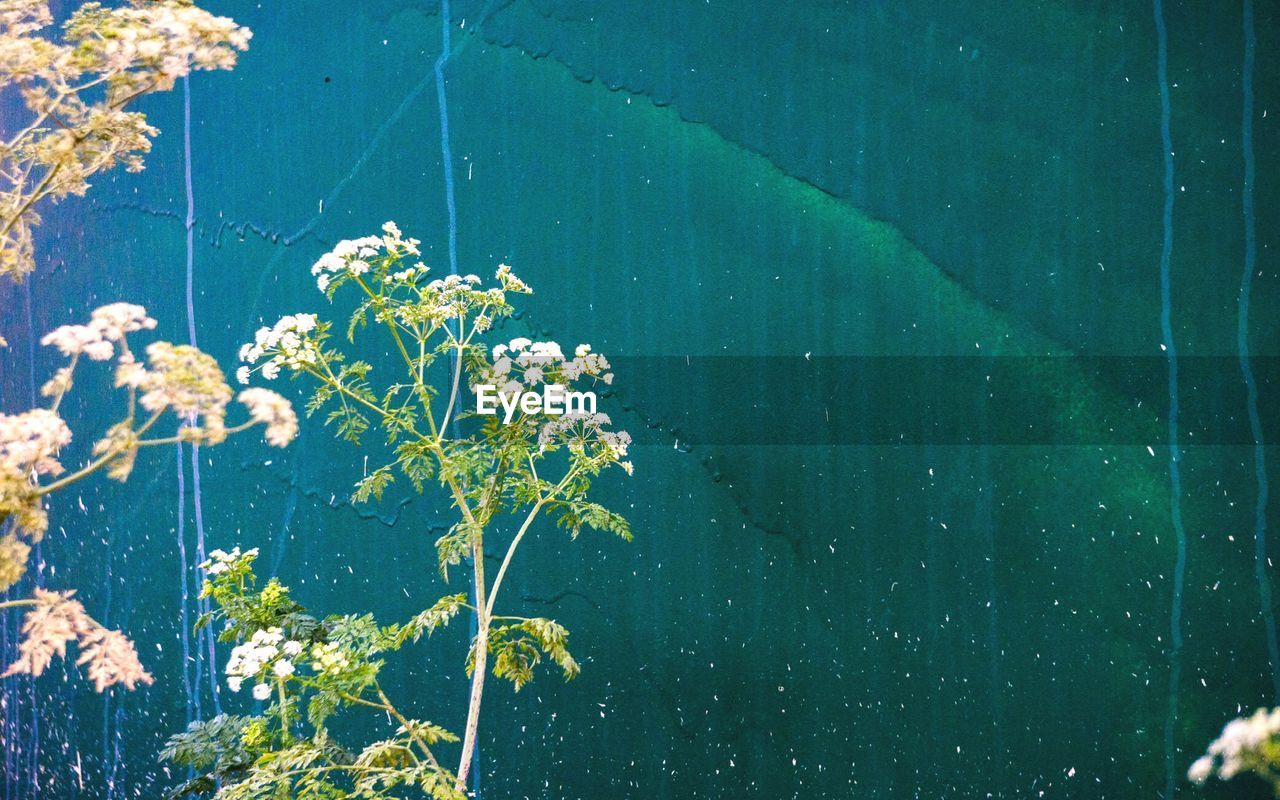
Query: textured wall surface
x=950, y=616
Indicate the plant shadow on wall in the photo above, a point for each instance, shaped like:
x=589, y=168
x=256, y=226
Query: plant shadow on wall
x=511, y=470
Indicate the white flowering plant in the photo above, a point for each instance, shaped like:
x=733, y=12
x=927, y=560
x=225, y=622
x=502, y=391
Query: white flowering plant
x=500, y=474
x=77, y=92
x=1246, y=745
x=175, y=382
x=307, y=671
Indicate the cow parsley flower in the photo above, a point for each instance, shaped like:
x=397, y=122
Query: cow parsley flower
x=272, y=410
x=29, y=442
x=220, y=561
x=84, y=80
x=509, y=282
x=285, y=344
x=327, y=658
x=75, y=340
x=114, y=320
x=190, y=383
x=1245, y=744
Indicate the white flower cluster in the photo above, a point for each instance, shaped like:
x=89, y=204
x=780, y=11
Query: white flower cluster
x=509, y=282
x=220, y=561
x=190, y=383
x=453, y=297
x=18, y=17
x=588, y=363
x=288, y=343
x=353, y=256
x=328, y=658
x=274, y=411
x=587, y=422
x=381, y=260
x=578, y=430
x=29, y=442
x=96, y=340
x=522, y=362
x=1240, y=743
x=266, y=650
x=166, y=38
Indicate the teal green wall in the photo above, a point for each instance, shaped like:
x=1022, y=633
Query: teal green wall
x=726, y=179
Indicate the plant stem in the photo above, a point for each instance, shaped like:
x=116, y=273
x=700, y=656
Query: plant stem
x=404, y=723
x=481, y=666
x=511, y=551
x=284, y=712
x=453, y=393
x=94, y=466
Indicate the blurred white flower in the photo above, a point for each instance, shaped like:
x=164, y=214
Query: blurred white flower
x=30, y=441
x=1201, y=769
x=1246, y=743
x=274, y=411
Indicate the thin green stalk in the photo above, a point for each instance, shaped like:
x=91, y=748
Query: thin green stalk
x=96, y=465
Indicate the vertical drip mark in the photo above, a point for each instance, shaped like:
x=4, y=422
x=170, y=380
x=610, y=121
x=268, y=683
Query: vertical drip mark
x=188, y=684
x=109, y=766
x=191, y=208
x=113, y=707
x=446, y=154
x=204, y=606
x=286, y=523
x=1171, y=357
x=446, y=160
x=205, y=635
x=1246, y=367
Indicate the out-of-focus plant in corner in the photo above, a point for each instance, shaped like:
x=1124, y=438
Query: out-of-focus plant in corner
x=175, y=381
x=500, y=472
x=77, y=91
x=1246, y=745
